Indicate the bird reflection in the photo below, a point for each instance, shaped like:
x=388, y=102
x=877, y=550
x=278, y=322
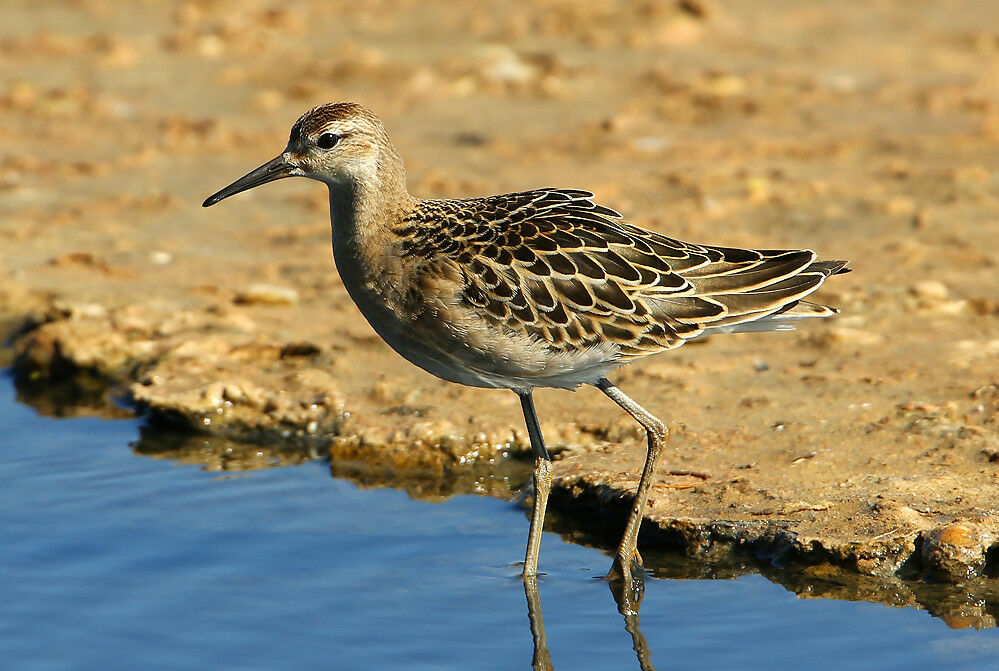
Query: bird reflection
x=628, y=596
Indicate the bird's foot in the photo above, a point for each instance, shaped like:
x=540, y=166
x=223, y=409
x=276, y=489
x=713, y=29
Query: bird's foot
x=625, y=566
x=627, y=582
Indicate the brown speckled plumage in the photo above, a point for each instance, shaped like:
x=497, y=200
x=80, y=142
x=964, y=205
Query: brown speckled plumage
x=543, y=288
x=554, y=265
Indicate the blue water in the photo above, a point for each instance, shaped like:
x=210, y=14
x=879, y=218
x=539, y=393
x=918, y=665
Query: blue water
x=109, y=560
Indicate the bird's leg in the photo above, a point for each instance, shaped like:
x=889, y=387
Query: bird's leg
x=542, y=482
x=627, y=553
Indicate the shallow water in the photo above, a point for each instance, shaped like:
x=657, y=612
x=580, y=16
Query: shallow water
x=112, y=559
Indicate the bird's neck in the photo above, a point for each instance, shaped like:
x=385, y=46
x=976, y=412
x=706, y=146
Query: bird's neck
x=370, y=200
x=364, y=208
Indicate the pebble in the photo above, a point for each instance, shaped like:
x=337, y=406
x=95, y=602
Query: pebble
x=503, y=64
x=267, y=294
x=933, y=290
x=956, y=551
x=158, y=258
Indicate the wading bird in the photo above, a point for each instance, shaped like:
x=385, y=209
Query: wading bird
x=542, y=288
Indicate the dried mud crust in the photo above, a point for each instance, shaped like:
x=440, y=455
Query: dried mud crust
x=870, y=442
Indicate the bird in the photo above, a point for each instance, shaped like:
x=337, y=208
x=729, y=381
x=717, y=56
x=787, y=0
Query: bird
x=535, y=289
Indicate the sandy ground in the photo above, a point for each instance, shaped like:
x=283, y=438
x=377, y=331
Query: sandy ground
x=867, y=131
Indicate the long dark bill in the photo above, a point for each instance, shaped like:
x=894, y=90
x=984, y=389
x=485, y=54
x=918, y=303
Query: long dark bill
x=276, y=168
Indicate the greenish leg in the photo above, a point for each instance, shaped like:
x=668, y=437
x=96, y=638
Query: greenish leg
x=627, y=553
x=542, y=482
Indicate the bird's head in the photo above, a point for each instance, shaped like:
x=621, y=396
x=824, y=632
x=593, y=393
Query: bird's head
x=341, y=144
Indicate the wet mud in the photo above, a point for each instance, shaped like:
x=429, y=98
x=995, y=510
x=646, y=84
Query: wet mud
x=866, y=446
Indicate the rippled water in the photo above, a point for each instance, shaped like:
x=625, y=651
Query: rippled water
x=112, y=559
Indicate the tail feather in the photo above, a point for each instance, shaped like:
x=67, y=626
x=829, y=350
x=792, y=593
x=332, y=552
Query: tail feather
x=830, y=267
x=782, y=320
x=775, y=306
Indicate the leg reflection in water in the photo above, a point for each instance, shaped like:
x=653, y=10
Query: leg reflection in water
x=627, y=595
x=542, y=660
x=629, y=598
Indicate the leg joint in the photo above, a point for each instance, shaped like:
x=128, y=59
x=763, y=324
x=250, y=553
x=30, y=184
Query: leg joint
x=543, y=468
x=657, y=430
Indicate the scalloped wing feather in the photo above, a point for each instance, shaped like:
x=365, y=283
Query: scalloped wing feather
x=554, y=265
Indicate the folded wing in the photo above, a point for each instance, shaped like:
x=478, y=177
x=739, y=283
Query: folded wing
x=553, y=264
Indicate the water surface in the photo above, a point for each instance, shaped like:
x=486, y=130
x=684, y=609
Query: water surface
x=112, y=559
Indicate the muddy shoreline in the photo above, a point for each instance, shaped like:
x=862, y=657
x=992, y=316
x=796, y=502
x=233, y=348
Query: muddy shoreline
x=868, y=444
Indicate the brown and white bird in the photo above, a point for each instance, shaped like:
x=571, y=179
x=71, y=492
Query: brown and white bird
x=543, y=288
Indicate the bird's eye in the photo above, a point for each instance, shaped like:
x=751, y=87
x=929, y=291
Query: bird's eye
x=328, y=140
